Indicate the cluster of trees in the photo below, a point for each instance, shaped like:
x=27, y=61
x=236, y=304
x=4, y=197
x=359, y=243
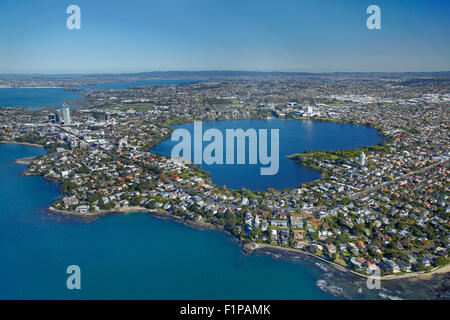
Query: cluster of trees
x=67, y=187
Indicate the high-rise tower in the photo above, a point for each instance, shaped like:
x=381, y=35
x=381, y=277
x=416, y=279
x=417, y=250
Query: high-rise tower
x=66, y=114
x=362, y=159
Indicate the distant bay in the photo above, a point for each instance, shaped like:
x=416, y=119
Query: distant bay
x=37, y=98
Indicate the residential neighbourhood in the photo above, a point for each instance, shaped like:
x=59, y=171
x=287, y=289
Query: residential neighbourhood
x=384, y=205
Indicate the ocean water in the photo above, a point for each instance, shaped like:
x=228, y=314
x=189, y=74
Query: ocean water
x=35, y=98
x=127, y=256
x=294, y=136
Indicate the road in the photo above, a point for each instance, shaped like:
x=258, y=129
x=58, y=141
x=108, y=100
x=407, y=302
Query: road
x=368, y=190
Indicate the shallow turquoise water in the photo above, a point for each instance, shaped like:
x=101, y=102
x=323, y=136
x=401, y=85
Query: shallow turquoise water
x=128, y=256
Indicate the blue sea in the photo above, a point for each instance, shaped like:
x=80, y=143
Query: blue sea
x=294, y=136
x=35, y=98
x=127, y=256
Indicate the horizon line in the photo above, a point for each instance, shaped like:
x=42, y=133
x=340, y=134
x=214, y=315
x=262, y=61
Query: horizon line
x=225, y=71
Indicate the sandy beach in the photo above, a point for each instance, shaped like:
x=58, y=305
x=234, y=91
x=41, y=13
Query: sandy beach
x=24, y=143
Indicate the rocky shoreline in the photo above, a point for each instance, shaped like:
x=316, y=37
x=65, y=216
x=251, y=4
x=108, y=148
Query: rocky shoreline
x=286, y=253
x=289, y=253
x=153, y=212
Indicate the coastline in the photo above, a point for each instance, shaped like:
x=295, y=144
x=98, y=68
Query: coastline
x=285, y=253
x=22, y=143
x=250, y=248
x=136, y=209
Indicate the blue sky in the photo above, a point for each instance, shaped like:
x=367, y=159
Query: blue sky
x=283, y=35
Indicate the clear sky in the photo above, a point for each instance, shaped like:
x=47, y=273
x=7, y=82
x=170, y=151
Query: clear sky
x=120, y=36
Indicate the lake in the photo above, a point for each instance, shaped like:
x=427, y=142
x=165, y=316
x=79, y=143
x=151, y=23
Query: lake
x=294, y=136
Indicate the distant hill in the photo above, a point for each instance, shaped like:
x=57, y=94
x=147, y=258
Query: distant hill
x=218, y=74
